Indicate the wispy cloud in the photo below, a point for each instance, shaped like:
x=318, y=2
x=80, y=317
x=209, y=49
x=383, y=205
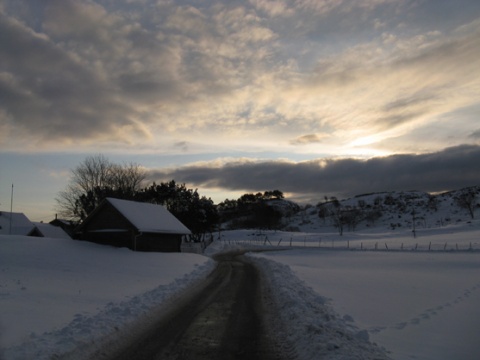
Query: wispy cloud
x=350, y=74
x=475, y=134
x=309, y=139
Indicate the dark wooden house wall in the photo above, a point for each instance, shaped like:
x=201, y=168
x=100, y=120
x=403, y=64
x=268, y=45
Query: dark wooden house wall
x=159, y=242
x=118, y=239
x=105, y=219
x=109, y=218
x=68, y=227
x=35, y=232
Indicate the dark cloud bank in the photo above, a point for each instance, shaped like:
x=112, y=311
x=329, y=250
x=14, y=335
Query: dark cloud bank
x=449, y=169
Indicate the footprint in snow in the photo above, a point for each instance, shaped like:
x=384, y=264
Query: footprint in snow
x=430, y=312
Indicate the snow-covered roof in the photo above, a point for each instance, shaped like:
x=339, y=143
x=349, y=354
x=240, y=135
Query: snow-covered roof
x=149, y=217
x=50, y=231
x=20, y=225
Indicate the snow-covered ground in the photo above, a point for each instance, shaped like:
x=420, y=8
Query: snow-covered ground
x=417, y=305
x=56, y=294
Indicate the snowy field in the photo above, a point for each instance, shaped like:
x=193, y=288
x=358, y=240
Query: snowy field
x=57, y=294
x=416, y=305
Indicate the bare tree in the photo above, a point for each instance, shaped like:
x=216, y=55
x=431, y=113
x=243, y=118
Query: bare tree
x=94, y=171
x=127, y=177
x=337, y=215
x=92, y=180
x=467, y=200
x=352, y=216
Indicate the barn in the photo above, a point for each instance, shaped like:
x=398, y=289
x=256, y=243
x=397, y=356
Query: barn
x=135, y=225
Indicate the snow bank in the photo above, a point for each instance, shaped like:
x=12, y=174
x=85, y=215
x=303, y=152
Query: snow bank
x=418, y=305
x=56, y=294
x=307, y=321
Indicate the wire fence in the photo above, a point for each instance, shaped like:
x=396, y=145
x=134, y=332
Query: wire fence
x=315, y=241
x=195, y=247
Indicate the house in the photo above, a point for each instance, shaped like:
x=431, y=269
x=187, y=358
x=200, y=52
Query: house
x=50, y=231
x=67, y=225
x=135, y=225
x=12, y=223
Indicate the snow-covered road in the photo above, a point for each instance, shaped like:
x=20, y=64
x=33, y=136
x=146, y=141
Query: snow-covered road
x=221, y=318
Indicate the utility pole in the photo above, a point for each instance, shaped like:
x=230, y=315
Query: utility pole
x=11, y=213
x=414, y=219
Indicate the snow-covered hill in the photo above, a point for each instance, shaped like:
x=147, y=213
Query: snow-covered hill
x=391, y=210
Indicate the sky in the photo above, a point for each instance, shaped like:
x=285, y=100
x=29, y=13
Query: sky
x=314, y=98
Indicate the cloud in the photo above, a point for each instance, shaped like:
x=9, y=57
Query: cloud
x=393, y=89
x=92, y=73
x=308, y=139
x=273, y=8
x=51, y=94
x=408, y=101
x=448, y=169
x=181, y=145
x=475, y=134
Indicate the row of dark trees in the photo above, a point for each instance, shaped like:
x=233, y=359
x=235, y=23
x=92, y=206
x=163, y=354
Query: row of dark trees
x=252, y=211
